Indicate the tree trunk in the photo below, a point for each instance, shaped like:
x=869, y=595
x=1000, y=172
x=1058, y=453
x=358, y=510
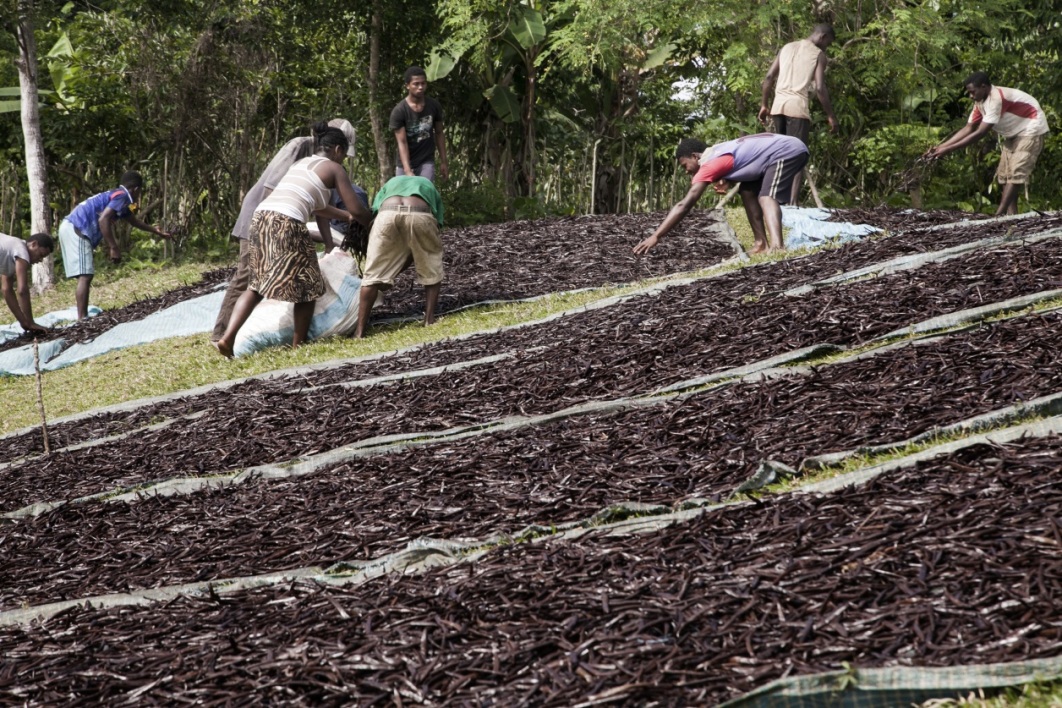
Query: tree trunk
x=36, y=173
x=619, y=102
x=529, y=123
x=379, y=137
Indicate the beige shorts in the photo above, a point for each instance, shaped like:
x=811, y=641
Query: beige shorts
x=1018, y=157
x=395, y=236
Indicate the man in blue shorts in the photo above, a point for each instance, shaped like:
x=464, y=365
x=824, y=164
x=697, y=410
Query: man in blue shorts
x=764, y=166
x=91, y=222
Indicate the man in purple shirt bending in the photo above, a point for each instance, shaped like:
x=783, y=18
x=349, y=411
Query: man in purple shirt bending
x=764, y=166
x=91, y=222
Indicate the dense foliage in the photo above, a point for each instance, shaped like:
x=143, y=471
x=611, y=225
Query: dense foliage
x=561, y=106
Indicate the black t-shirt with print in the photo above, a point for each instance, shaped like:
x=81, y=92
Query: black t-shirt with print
x=420, y=129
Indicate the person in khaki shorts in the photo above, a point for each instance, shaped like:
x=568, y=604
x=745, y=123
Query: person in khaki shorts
x=409, y=214
x=1018, y=119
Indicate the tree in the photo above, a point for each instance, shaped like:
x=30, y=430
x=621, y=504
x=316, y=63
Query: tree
x=618, y=46
x=582, y=59
x=379, y=141
x=36, y=165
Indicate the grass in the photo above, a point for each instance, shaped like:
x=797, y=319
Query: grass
x=740, y=223
x=1034, y=695
x=865, y=461
x=177, y=364
x=113, y=287
x=1030, y=696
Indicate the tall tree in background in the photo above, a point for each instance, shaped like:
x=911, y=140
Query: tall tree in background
x=584, y=59
x=36, y=166
x=505, y=49
x=376, y=121
x=617, y=45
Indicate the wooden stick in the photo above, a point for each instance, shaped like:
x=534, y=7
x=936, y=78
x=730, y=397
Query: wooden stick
x=814, y=190
x=40, y=396
x=728, y=196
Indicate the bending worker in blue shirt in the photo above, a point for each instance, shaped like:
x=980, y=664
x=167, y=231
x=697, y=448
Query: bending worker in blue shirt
x=91, y=222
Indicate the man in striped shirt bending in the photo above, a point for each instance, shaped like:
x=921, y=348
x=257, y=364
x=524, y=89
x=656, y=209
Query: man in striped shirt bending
x=762, y=165
x=1018, y=119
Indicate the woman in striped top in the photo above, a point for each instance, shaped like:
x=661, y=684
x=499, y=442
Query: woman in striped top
x=283, y=259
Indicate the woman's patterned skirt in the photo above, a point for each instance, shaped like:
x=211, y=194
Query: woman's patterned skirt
x=283, y=259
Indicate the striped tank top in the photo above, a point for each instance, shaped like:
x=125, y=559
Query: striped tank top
x=300, y=192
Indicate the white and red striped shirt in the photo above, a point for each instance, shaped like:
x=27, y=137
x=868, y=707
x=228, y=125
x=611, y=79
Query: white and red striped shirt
x=1011, y=112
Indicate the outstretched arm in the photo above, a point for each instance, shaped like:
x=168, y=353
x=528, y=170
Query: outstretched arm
x=143, y=226
x=106, y=222
x=12, y=301
x=823, y=93
x=964, y=136
x=325, y=228
x=766, y=86
x=19, y=303
x=22, y=282
x=677, y=213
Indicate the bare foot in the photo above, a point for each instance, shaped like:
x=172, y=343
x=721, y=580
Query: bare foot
x=223, y=349
x=759, y=248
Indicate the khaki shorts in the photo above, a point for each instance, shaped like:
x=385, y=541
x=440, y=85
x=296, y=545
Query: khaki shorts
x=1018, y=158
x=394, y=237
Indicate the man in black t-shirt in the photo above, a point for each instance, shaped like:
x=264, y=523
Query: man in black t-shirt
x=417, y=121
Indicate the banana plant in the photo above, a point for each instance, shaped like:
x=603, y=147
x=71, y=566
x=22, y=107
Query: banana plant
x=14, y=105
x=504, y=45
x=59, y=69
x=8, y=105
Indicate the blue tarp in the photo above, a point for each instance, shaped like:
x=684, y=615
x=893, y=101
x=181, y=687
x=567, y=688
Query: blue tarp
x=185, y=318
x=808, y=228
x=52, y=319
x=269, y=325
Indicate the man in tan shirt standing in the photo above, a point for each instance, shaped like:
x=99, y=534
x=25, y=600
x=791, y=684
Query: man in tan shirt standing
x=798, y=66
